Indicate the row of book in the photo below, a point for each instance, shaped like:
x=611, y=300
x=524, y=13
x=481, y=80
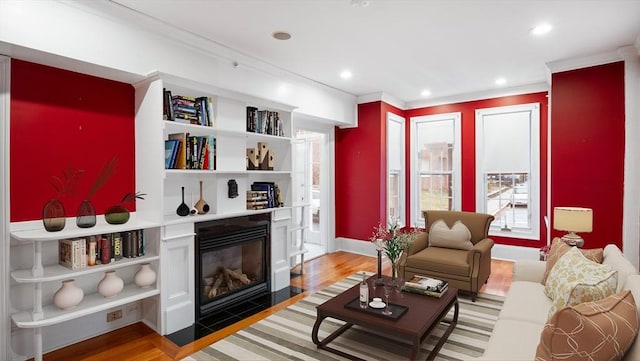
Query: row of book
x=264, y=122
x=269, y=192
x=186, y=109
x=184, y=151
x=78, y=253
x=427, y=286
x=257, y=200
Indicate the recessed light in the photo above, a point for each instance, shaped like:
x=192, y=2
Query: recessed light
x=281, y=35
x=425, y=93
x=346, y=74
x=541, y=29
x=501, y=81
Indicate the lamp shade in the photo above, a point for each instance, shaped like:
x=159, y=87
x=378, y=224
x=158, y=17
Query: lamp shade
x=573, y=219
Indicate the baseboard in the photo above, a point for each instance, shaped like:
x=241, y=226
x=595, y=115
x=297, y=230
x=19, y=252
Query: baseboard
x=499, y=251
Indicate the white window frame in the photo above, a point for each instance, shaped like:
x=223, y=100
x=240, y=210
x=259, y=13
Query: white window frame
x=534, y=171
x=456, y=118
x=400, y=218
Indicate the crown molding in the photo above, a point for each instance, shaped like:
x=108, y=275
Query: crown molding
x=486, y=94
x=382, y=96
x=583, y=62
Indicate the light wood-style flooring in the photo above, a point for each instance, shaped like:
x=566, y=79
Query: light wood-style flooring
x=139, y=343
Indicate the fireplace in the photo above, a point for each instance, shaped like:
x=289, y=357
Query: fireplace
x=232, y=262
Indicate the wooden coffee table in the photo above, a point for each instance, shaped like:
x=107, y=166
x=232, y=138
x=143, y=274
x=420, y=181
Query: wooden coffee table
x=422, y=316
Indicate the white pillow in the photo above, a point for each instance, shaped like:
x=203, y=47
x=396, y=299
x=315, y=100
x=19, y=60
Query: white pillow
x=456, y=237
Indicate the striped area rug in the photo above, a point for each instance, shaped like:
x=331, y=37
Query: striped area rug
x=286, y=335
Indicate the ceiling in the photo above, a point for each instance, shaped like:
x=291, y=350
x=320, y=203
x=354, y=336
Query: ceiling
x=402, y=47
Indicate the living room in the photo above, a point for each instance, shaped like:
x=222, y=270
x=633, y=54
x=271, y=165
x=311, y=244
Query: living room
x=587, y=118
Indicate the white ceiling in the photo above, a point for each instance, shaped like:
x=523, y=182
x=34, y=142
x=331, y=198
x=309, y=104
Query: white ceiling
x=401, y=47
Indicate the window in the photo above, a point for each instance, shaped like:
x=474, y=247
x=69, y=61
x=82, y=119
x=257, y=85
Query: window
x=435, y=164
x=508, y=169
x=395, y=169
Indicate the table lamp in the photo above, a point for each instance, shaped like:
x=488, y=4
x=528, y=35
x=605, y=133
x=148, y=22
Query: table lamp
x=573, y=219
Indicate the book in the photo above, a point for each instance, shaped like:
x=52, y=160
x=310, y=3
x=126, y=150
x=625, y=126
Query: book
x=424, y=292
x=70, y=253
x=181, y=154
x=426, y=283
x=171, y=147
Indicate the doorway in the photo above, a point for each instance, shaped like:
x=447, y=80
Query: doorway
x=309, y=188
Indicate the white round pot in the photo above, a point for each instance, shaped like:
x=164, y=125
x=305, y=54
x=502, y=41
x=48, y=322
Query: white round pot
x=145, y=277
x=111, y=285
x=68, y=296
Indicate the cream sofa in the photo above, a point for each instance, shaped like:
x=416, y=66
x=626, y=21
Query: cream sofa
x=525, y=311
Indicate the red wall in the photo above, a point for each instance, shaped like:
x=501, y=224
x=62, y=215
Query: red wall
x=360, y=172
x=587, y=147
x=467, y=110
x=62, y=119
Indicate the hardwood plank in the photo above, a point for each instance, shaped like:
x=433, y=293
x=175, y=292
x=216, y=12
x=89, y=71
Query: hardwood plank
x=140, y=343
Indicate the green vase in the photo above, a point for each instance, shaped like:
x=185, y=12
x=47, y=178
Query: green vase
x=117, y=214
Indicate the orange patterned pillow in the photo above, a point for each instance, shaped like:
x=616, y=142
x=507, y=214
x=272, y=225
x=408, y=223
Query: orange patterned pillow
x=599, y=330
x=559, y=248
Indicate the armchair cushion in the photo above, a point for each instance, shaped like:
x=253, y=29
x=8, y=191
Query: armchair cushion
x=440, y=260
x=456, y=237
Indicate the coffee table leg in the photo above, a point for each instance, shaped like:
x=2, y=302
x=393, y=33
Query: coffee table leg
x=445, y=335
x=323, y=344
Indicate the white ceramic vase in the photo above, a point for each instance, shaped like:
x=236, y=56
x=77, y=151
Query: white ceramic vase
x=68, y=296
x=145, y=277
x=111, y=285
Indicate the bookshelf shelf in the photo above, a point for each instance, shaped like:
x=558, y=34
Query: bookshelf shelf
x=58, y=272
x=91, y=303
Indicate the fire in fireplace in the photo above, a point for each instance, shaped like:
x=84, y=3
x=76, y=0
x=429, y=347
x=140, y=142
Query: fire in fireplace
x=232, y=262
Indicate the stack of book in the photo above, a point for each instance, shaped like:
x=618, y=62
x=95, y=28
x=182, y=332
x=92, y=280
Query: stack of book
x=257, y=199
x=189, y=110
x=426, y=286
x=271, y=191
x=184, y=151
x=80, y=253
x=264, y=122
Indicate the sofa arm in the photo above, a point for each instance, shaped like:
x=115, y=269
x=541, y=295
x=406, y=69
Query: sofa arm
x=420, y=242
x=529, y=270
x=483, y=248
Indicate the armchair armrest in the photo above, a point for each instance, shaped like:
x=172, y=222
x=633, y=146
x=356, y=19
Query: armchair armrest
x=418, y=244
x=481, y=248
x=529, y=270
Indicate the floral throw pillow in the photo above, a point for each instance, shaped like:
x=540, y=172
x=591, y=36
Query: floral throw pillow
x=559, y=248
x=575, y=279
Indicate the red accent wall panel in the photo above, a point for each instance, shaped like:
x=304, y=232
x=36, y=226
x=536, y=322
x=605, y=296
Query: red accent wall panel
x=587, y=147
x=360, y=172
x=62, y=119
x=467, y=110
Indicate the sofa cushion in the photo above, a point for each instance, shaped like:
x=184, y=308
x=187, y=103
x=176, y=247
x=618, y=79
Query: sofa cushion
x=526, y=301
x=575, y=279
x=614, y=258
x=513, y=341
x=599, y=330
x=632, y=284
x=440, y=260
x=559, y=248
x=456, y=237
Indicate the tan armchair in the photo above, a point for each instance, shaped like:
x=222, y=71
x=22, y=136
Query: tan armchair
x=467, y=270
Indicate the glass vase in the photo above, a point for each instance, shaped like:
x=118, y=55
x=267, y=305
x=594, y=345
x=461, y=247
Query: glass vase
x=53, y=216
x=117, y=214
x=86, y=215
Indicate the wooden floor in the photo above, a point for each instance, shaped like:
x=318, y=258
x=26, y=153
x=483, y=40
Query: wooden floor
x=139, y=343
